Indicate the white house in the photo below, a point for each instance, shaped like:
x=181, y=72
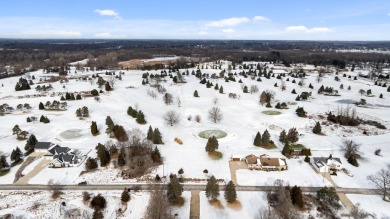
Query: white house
x=325, y=165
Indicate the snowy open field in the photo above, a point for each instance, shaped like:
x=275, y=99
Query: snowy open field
x=372, y=204
x=242, y=119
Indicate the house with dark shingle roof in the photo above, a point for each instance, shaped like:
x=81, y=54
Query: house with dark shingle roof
x=326, y=164
x=43, y=146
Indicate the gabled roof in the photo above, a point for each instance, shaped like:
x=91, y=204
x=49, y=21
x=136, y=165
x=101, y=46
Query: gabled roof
x=251, y=159
x=58, y=150
x=43, y=145
x=325, y=161
x=275, y=162
x=65, y=158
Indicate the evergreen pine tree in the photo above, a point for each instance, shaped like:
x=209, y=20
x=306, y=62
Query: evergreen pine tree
x=292, y=135
x=388, y=89
x=257, y=141
x=149, y=135
x=94, y=130
x=212, y=144
x=122, y=157
x=216, y=87
x=265, y=141
x=317, y=128
x=286, y=151
x=3, y=162
x=196, y=93
x=140, y=118
x=108, y=87
x=16, y=155
x=221, y=90
x=91, y=164
x=296, y=196
x=307, y=159
x=245, y=90
x=156, y=156
x=381, y=96
x=125, y=197
x=110, y=126
x=30, y=143
x=212, y=188
x=282, y=136
x=175, y=190
x=157, y=139
x=103, y=154
x=268, y=105
x=230, y=192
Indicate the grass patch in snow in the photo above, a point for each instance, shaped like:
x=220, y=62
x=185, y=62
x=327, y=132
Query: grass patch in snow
x=271, y=112
x=297, y=146
x=17, y=163
x=209, y=133
x=4, y=172
x=236, y=205
x=216, y=203
x=216, y=155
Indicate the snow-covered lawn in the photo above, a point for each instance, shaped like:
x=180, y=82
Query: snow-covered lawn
x=299, y=173
x=251, y=202
x=372, y=204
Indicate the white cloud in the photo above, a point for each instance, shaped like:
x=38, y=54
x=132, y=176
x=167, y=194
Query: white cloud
x=308, y=30
x=261, y=19
x=296, y=28
x=108, y=35
x=203, y=33
x=228, y=30
x=229, y=22
x=107, y=12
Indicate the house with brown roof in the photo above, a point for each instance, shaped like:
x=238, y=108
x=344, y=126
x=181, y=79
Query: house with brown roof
x=264, y=162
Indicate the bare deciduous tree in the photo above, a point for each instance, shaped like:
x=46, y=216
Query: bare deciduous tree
x=382, y=181
x=254, y=89
x=168, y=98
x=351, y=149
x=215, y=114
x=171, y=118
x=158, y=207
x=112, y=80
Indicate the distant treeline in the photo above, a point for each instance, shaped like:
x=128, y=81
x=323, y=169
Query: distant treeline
x=105, y=54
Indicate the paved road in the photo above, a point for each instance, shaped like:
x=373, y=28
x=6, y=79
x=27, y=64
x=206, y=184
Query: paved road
x=195, y=205
x=186, y=187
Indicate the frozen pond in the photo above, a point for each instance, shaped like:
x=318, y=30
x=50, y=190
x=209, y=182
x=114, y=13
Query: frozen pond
x=71, y=133
x=350, y=101
x=209, y=133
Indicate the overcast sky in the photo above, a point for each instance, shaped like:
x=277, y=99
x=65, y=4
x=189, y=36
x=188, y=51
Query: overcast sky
x=197, y=19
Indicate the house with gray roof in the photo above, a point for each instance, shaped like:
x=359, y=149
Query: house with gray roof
x=43, y=146
x=326, y=164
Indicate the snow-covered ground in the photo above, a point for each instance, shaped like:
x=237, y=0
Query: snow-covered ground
x=372, y=204
x=251, y=203
x=242, y=120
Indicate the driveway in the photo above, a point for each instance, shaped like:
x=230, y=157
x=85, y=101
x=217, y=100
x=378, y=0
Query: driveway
x=236, y=165
x=195, y=205
x=343, y=198
x=38, y=168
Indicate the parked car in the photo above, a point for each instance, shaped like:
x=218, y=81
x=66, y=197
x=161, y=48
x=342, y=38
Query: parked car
x=82, y=183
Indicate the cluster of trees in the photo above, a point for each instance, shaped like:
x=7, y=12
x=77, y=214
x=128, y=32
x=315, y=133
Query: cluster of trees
x=291, y=137
x=212, y=190
x=40, y=88
x=31, y=119
x=282, y=105
x=103, y=154
x=20, y=134
x=22, y=84
x=16, y=155
x=70, y=96
x=301, y=112
x=82, y=112
x=263, y=140
x=137, y=114
x=344, y=116
x=24, y=107
x=266, y=97
x=154, y=135
x=116, y=131
x=44, y=119
x=55, y=105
